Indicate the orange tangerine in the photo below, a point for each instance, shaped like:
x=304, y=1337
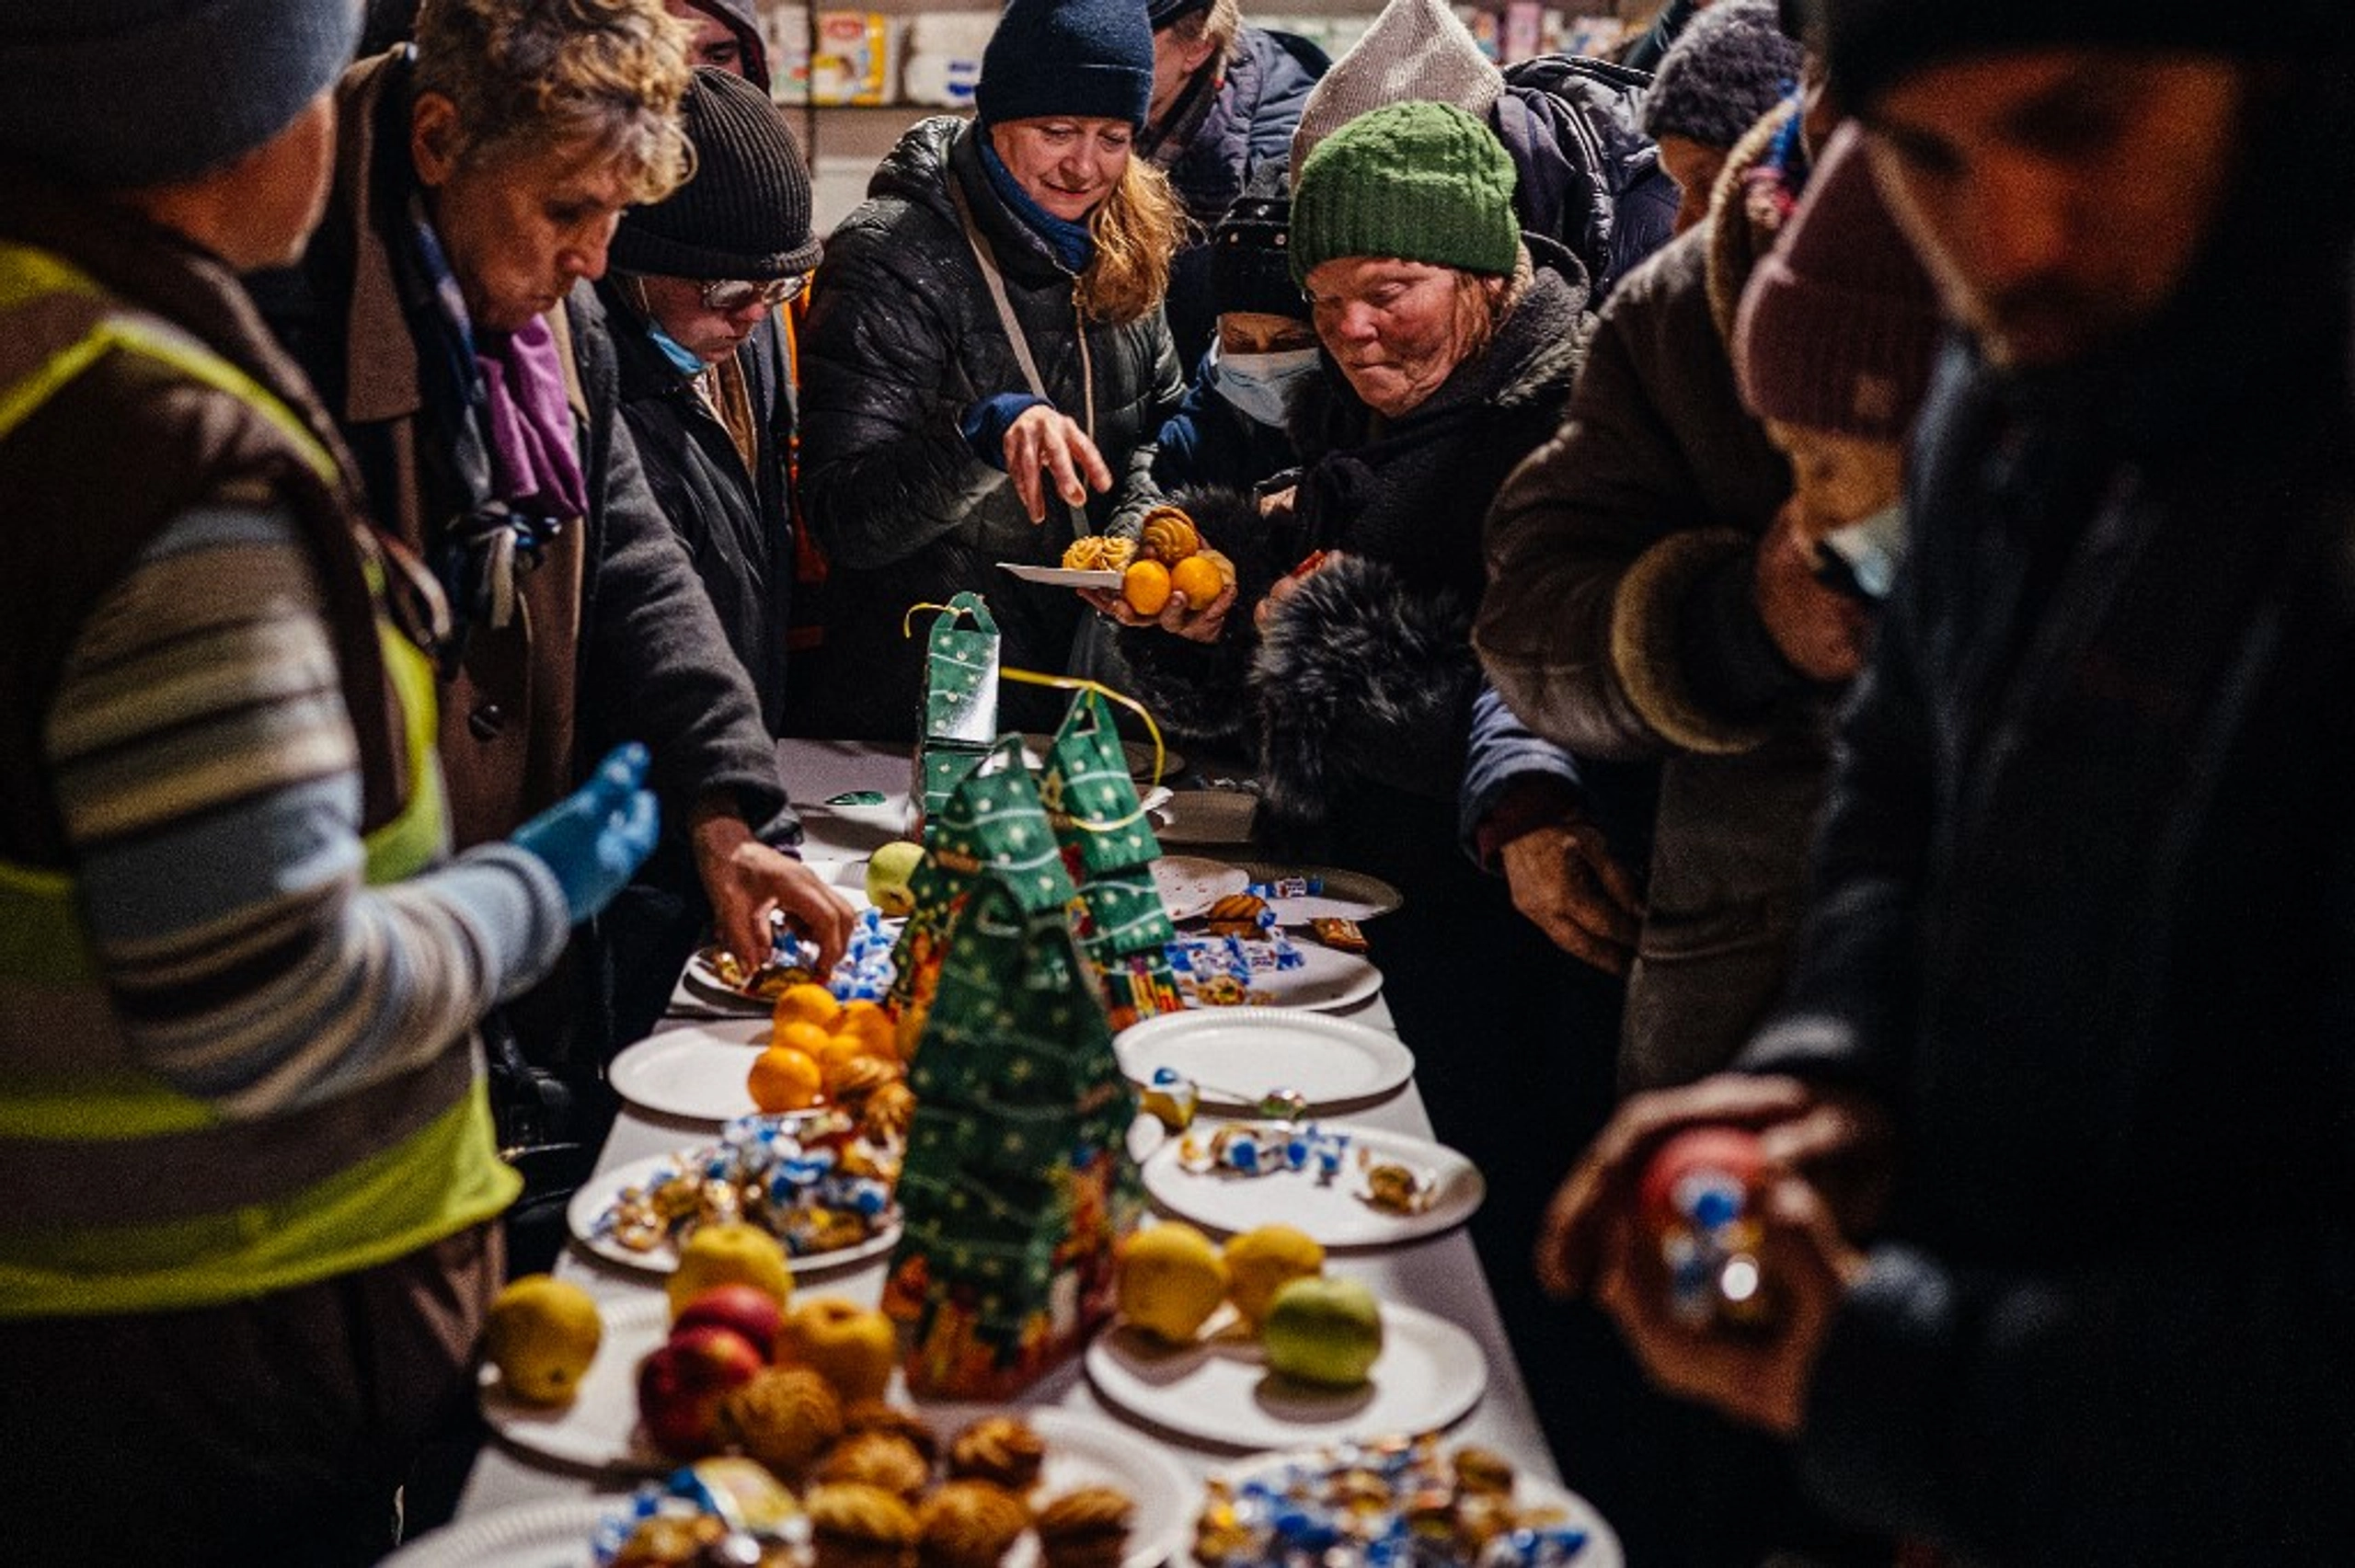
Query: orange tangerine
x=839, y=1046
x=784, y=1079
x=1198, y=579
x=1145, y=585
x=872, y=1023
x=808, y=1003
x=809, y=1039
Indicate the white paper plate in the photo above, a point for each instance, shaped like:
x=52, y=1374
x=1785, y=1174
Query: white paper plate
x=1191, y=884
x=1327, y=980
x=1238, y=1055
x=1333, y=1212
x=1062, y=576
x=523, y=1535
x=1603, y=1550
x=1205, y=816
x=598, y=1194
x=697, y=1073
x=598, y=1431
x=1346, y=895
x=1219, y=1391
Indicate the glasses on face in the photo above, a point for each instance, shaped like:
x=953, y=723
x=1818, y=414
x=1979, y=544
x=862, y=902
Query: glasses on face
x=728, y=295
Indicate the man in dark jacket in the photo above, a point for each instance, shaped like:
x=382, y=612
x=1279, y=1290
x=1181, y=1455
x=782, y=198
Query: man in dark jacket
x=1225, y=97
x=2057, y=1111
x=698, y=281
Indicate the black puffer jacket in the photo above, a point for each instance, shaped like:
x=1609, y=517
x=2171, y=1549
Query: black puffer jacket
x=902, y=338
x=1366, y=677
x=735, y=522
x=1221, y=137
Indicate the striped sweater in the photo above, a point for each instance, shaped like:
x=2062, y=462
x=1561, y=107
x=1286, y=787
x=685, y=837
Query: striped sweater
x=206, y=773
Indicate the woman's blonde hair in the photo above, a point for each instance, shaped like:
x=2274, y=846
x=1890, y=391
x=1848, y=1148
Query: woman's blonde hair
x=531, y=74
x=1137, y=230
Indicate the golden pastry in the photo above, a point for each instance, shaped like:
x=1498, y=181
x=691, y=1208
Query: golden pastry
x=1237, y=914
x=969, y=1524
x=1167, y=535
x=1001, y=1448
x=784, y=1417
x=888, y=1111
x=880, y=1415
x=853, y=1525
x=1086, y=1528
x=1098, y=553
x=878, y=1458
x=1479, y=1470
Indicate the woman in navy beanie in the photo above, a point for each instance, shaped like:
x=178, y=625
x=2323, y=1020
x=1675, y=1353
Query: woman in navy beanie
x=986, y=358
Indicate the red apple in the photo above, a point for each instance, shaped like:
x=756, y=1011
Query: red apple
x=743, y=1309
x=679, y=1386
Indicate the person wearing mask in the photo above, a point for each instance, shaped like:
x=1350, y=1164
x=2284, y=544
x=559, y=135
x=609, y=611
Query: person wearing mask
x=986, y=360
x=1231, y=428
x=452, y=327
x=2054, y=1110
x=697, y=284
x=1225, y=97
x=243, y=1123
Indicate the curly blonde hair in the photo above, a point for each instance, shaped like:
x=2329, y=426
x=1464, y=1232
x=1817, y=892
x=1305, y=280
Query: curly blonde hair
x=539, y=74
x=1137, y=229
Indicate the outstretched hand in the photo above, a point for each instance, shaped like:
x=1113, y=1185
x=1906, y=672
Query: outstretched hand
x=1045, y=450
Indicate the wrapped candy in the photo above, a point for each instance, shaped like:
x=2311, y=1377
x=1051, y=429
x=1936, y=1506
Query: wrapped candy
x=1172, y=1098
x=1695, y=1202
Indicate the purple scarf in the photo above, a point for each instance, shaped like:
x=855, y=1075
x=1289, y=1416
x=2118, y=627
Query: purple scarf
x=528, y=424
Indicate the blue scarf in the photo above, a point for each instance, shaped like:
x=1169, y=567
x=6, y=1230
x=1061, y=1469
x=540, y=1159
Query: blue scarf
x=1072, y=245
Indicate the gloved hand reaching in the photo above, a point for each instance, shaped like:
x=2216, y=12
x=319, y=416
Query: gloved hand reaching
x=596, y=836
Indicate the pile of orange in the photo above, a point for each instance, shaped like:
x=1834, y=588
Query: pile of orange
x=1171, y=558
x=813, y=1040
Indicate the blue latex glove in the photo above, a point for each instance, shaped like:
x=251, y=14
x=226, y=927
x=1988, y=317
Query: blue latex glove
x=595, y=838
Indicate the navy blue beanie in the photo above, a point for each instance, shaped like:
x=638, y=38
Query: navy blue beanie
x=121, y=93
x=1092, y=59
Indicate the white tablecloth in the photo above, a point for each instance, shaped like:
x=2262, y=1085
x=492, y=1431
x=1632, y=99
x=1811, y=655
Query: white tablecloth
x=1441, y=1273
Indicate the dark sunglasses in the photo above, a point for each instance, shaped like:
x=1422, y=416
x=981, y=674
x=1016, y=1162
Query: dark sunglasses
x=730, y=295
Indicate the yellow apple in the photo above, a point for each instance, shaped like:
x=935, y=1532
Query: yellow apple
x=851, y=1346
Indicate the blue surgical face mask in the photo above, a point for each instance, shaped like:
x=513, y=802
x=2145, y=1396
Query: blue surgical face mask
x=1260, y=386
x=1863, y=557
x=683, y=359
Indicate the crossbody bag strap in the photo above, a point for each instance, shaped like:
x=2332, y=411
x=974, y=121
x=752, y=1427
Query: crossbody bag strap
x=994, y=281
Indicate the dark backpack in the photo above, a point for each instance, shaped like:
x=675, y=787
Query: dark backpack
x=1590, y=176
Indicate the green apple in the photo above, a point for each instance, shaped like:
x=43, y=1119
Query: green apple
x=1323, y=1328
x=888, y=874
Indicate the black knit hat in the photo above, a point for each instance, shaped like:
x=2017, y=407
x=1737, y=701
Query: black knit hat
x=1731, y=65
x=745, y=211
x=1872, y=43
x=1091, y=59
x=1251, y=253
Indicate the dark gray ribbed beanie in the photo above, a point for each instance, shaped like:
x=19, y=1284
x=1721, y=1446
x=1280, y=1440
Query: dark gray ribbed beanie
x=745, y=211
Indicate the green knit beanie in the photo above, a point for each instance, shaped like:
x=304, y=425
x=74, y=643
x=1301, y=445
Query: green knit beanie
x=1417, y=181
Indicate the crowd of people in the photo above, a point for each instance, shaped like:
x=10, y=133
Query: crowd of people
x=1814, y=556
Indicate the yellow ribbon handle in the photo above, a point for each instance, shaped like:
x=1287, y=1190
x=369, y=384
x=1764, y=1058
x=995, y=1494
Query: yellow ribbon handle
x=908, y=620
x=1080, y=683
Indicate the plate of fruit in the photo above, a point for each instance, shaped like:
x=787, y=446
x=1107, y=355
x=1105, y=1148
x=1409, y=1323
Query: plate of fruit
x=817, y=1185
x=1396, y=1499
x=810, y=1051
x=1255, y=1345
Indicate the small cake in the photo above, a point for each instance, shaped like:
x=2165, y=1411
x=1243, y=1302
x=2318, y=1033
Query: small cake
x=858, y=1077
x=878, y=1458
x=888, y=1111
x=853, y=1525
x=1098, y=553
x=969, y=1524
x=1086, y=1528
x=880, y=1415
x=1000, y=1448
x=1237, y=914
x=784, y=1417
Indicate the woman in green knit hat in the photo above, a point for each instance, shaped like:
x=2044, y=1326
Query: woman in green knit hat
x=1449, y=358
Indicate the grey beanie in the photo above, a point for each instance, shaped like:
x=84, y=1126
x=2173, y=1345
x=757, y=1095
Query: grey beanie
x=119, y=92
x=1728, y=67
x=1416, y=51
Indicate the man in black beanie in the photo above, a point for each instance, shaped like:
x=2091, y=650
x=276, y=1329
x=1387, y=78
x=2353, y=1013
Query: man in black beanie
x=695, y=293
x=2056, y=1197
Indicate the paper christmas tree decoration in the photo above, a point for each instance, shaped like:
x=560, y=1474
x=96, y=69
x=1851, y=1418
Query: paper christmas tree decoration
x=1109, y=846
x=960, y=720
x=1017, y=1184
x=990, y=816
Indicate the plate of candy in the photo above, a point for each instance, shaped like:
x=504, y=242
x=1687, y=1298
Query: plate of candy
x=1343, y=1184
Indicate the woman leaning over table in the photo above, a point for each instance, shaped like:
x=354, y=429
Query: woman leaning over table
x=1450, y=357
x=986, y=358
